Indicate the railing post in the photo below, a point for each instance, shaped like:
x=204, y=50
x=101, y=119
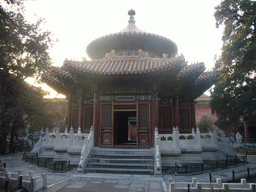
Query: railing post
x=6, y=185
x=33, y=184
x=71, y=132
x=44, y=176
x=92, y=135
x=157, y=163
x=57, y=137
x=20, y=182
x=215, y=139
x=47, y=136
x=198, y=139
x=176, y=140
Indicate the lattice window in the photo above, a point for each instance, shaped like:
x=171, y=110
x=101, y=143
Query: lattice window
x=125, y=106
x=125, y=98
x=184, y=119
x=143, y=115
x=106, y=115
x=165, y=117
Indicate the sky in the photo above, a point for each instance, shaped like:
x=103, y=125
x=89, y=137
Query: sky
x=75, y=23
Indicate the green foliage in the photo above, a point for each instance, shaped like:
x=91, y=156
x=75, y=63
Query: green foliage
x=205, y=123
x=234, y=96
x=23, y=53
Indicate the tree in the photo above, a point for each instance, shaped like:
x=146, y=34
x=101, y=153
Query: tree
x=234, y=96
x=205, y=123
x=23, y=54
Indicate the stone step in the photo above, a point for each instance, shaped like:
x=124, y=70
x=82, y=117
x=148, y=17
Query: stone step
x=116, y=165
x=130, y=156
x=118, y=170
x=97, y=159
x=129, y=151
x=122, y=161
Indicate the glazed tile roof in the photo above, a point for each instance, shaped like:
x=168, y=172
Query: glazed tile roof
x=204, y=82
x=203, y=97
x=165, y=70
x=191, y=71
x=54, y=83
x=124, y=66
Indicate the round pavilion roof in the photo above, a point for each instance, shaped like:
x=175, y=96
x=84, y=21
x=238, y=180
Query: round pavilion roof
x=131, y=38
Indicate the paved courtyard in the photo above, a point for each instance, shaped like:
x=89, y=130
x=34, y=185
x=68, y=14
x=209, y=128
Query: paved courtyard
x=72, y=181
x=107, y=183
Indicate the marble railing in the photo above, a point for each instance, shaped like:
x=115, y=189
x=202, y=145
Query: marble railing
x=193, y=141
x=61, y=141
x=85, y=153
x=157, y=158
x=204, y=186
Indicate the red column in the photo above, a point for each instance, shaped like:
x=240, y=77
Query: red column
x=176, y=116
x=69, y=98
x=80, y=120
x=155, y=120
x=96, y=120
x=193, y=115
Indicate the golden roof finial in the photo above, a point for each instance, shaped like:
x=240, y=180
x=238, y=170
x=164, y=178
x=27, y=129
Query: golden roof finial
x=131, y=13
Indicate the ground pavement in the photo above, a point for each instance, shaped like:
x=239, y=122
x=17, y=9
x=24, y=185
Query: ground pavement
x=72, y=181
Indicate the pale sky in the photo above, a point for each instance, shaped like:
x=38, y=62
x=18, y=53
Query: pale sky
x=75, y=23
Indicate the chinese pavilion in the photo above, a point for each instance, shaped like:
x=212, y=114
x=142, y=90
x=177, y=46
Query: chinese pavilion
x=134, y=82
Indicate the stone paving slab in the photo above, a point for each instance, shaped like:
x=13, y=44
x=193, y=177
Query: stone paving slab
x=72, y=181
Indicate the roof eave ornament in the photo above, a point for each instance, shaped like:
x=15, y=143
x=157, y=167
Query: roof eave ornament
x=131, y=13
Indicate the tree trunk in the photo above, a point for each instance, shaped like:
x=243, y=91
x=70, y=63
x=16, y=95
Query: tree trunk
x=11, y=146
x=3, y=143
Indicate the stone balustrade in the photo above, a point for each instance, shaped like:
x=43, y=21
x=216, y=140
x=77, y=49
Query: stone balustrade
x=195, y=186
x=61, y=141
x=62, y=146
x=194, y=141
x=85, y=153
x=27, y=181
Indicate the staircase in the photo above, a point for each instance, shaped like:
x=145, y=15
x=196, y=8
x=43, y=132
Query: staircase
x=121, y=161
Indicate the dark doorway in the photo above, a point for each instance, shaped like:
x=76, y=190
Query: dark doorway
x=124, y=124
